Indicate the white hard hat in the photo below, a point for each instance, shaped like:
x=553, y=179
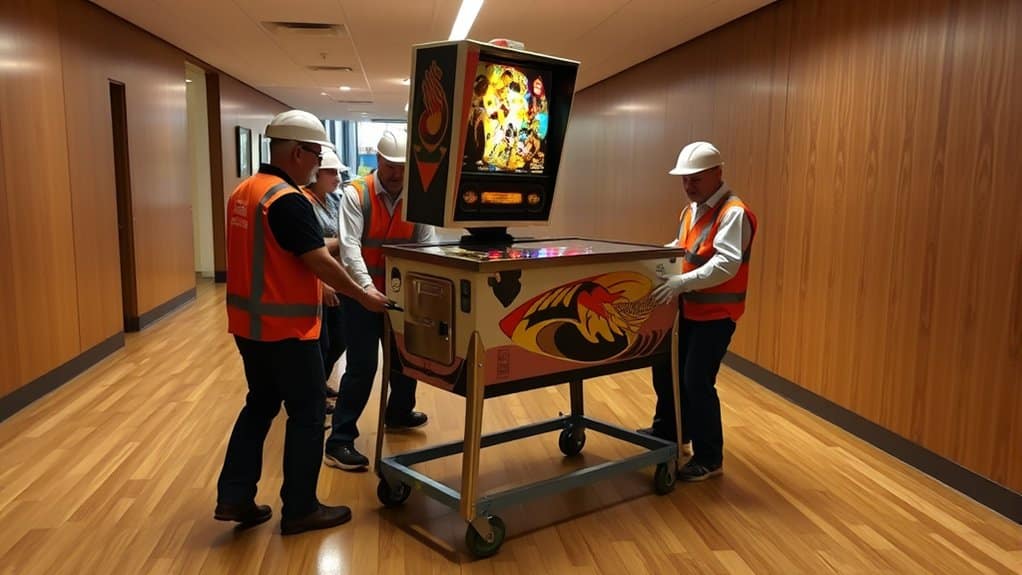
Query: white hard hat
x=299, y=126
x=696, y=157
x=332, y=162
x=392, y=146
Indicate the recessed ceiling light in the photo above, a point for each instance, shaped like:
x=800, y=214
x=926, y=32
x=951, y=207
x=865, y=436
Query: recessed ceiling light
x=406, y=81
x=406, y=106
x=322, y=93
x=365, y=113
x=188, y=80
x=345, y=88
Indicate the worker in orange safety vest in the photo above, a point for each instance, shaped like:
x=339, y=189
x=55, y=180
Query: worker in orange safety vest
x=371, y=218
x=715, y=230
x=276, y=260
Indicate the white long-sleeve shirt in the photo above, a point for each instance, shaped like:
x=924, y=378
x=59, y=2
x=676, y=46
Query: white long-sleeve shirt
x=351, y=225
x=733, y=236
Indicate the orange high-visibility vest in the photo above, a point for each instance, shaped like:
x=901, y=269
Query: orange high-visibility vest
x=271, y=295
x=379, y=228
x=726, y=300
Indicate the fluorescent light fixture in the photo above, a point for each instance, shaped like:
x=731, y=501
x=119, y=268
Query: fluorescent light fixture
x=466, y=17
x=345, y=88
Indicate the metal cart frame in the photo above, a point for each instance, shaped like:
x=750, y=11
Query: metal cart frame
x=485, y=532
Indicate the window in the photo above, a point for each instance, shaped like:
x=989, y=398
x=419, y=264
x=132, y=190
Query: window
x=368, y=134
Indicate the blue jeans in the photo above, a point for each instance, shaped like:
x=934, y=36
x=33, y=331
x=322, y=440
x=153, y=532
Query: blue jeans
x=363, y=331
x=701, y=348
x=288, y=371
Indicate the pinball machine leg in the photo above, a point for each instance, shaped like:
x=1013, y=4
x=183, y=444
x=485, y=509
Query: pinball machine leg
x=384, y=391
x=675, y=381
x=473, y=430
x=485, y=533
x=573, y=436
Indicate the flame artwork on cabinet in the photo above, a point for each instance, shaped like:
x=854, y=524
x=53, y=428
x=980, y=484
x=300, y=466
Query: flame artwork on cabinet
x=588, y=320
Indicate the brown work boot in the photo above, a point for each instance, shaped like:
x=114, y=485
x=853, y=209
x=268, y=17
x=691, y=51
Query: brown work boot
x=322, y=518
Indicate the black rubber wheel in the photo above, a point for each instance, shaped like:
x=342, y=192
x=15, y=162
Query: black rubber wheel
x=569, y=444
x=392, y=497
x=663, y=479
x=480, y=547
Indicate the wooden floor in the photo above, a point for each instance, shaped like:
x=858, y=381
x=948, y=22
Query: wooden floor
x=115, y=473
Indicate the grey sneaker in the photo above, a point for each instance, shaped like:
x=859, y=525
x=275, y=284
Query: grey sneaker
x=345, y=457
x=693, y=471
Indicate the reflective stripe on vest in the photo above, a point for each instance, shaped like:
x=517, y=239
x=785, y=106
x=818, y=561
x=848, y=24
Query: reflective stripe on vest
x=704, y=297
x=698, y=260
x=255, y=293
x=274, y=309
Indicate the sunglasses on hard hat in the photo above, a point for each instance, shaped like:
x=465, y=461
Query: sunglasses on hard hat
x=317, y=153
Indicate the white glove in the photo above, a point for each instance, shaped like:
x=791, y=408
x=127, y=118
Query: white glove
x=669, y=290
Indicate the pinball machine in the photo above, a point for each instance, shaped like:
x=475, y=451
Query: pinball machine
x=491, y=314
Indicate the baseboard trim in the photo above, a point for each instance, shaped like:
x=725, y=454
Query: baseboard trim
x=20, y=398
x=151, y=316
x=995, y=496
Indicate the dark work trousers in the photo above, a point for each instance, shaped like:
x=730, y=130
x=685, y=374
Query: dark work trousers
x=331, y=338
x=701, y=348
x=363, y=331
x=288, y=371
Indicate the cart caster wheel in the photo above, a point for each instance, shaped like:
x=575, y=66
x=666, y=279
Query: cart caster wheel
x=392, y=497
x=663, y=479
x=480, y=547
x=569, y=444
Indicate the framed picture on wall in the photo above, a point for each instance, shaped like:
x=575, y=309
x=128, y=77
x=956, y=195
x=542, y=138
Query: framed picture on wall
x=264, y=149
x=244, y=137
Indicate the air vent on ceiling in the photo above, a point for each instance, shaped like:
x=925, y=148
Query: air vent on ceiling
x=330, y=68
x=318, y=29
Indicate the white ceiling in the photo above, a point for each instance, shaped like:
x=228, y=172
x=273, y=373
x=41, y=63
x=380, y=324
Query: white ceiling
x=606, y=36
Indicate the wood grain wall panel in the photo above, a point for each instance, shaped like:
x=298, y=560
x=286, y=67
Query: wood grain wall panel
x=878, y=143
x=984, y=128
x=161, y=192
x=153, y=75
x=240, y=105
x=8, y=335
x=38, y=196
x=748, y=120
x=216, y=173
x=1007, y=173
x=59, y=264
x=762, y=185
x=86, y=58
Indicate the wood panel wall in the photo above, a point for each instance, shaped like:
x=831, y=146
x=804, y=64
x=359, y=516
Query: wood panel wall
x=879, y=144
x=8, y=337
x=39, y=220
x=92, y=185
x=60, y=286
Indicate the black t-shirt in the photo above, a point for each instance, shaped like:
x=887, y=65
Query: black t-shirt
x=292, y=219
